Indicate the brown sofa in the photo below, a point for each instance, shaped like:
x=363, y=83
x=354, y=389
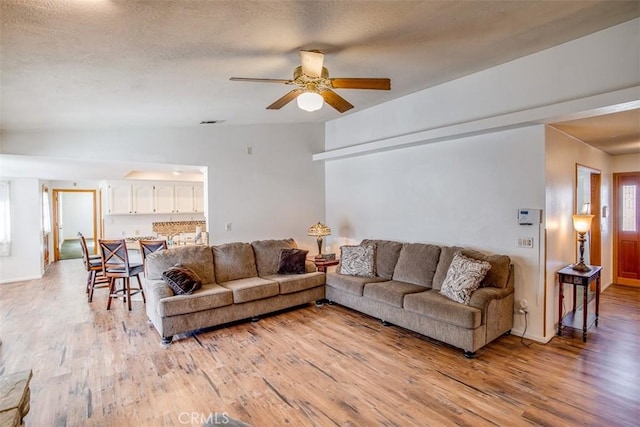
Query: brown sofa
x=406, y=287
x=240, y=281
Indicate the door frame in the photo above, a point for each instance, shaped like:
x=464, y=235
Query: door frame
x=615, y=211
x=595, y=234
x=56, y=219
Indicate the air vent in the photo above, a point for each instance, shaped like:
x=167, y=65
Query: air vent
x=211, y=122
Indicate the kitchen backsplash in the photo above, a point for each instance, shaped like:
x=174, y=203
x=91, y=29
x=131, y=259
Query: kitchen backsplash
x=171, y=228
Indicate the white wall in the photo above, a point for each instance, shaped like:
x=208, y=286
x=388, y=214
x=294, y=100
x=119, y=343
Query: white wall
x=276, y=192
x=25, y=260
x=464, y=192
x=76, y=213
x=626, y=163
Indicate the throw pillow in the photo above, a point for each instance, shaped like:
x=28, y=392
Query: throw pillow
x=463, y=278
x=358, y=260
x=182, y=280
x=292, y=261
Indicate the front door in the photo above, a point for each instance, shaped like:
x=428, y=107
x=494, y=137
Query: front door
x=627, y=228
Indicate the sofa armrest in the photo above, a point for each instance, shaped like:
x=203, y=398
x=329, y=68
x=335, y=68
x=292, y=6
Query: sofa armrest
x=310, y=267
x=156, y=290
x=483, y=296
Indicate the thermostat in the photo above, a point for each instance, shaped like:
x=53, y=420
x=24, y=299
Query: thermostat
x=529, y=216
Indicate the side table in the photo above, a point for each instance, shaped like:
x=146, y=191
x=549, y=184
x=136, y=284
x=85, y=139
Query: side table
x=323, y=264
x=584, y=279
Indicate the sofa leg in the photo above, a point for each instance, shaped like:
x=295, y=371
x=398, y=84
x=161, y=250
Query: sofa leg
x=319, y=302
x=506, y=334
x=385, y=323
x=166, y=341
x=331, y=302
x=254, y=319
x=469, y=354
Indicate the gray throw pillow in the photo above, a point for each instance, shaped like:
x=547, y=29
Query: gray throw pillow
x=182, y=280
x=463, y=278
x=292, y=261
x=358, y=260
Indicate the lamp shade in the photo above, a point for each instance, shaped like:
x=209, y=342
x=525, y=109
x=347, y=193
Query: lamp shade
x=310, y=101
x=582, y=223
x=319, y=230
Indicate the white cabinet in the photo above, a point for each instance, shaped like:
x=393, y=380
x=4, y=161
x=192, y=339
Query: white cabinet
x=154, y=198
x=184, y=198
x=164, y=198
x=198, y=198
x=143, y=198
x=119, y=200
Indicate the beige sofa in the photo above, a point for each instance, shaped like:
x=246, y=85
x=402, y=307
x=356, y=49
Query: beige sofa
x=405, y=292
x=240, y=281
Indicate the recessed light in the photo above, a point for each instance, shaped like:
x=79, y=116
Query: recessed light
x=176, y=172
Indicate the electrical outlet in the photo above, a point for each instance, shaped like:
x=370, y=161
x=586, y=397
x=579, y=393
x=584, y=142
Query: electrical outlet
x=525, y=242
x=227, y=226
x=523, y=307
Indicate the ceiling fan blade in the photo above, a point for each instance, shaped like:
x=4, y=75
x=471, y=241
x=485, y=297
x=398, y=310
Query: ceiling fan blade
x=361, y=83
x=248, y=79
x=311, y=62
x=336, y=101
x=287, y=98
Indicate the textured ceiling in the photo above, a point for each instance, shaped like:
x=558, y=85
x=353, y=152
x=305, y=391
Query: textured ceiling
x=83, y=64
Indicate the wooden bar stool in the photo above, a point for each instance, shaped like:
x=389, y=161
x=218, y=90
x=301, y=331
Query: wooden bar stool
x=93, y=265
x=150, y=246
x=116, y=265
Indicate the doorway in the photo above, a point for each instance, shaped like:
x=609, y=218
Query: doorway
x=626, y=228
x=587, y=199
x=74, y=211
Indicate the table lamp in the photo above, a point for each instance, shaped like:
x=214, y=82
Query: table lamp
x=319, y=231
x=582, y=225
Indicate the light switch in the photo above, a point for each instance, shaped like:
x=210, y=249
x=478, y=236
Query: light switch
x=227, y=226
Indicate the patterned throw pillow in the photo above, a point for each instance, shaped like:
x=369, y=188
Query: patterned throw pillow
x=182, y=280
x=358, y=261
x=463, y=278
x=292, y=261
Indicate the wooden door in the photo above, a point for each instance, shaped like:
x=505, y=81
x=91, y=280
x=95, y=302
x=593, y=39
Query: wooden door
x=627, y=228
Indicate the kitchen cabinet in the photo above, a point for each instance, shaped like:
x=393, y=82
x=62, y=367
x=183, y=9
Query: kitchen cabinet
x=143, y=198
x=164, y=198
x=119, y=199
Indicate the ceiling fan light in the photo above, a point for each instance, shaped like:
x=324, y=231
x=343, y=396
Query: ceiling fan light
x=310, y=101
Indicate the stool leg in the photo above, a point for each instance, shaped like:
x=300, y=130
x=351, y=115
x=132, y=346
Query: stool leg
x=112, y=285
x=92, y=283
x=141, y=290
x=127, y=284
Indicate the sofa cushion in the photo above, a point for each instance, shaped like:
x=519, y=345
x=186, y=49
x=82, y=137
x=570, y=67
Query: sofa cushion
x=234, y=261
x=292, y=261
x=463, y=278
x=417, y=264
x=498, y=275
x=351, y=284
x=207, y=297
x=251, y=289
x=197, y=258
x=387, y=253
x=446, y=256
x=391, y=292
x=436, y=306
x=267, y=254
x=358, y=260
x=290, y=284
x=182, y=280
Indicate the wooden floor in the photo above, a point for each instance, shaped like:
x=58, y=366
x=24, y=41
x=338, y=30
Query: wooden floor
x=314, y=366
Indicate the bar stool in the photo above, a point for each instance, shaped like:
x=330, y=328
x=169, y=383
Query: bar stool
x=150, y=246
x=93, y=264
x=116, y=265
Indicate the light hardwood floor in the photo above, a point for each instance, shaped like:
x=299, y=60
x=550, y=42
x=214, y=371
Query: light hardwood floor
x=313, y=366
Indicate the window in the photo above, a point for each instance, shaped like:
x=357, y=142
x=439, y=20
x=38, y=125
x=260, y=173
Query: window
x=5, y=218
x=628, y=208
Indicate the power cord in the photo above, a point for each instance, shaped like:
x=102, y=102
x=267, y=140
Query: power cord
x=526, y=325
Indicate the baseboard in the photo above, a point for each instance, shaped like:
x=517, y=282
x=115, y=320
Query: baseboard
x=19, y=279
x=537, y=338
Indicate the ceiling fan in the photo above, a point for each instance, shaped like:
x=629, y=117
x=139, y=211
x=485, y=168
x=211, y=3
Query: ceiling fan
x=315, y=87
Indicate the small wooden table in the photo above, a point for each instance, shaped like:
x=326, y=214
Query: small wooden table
x=14, y=398
x=323, y=264
x=577, y=278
